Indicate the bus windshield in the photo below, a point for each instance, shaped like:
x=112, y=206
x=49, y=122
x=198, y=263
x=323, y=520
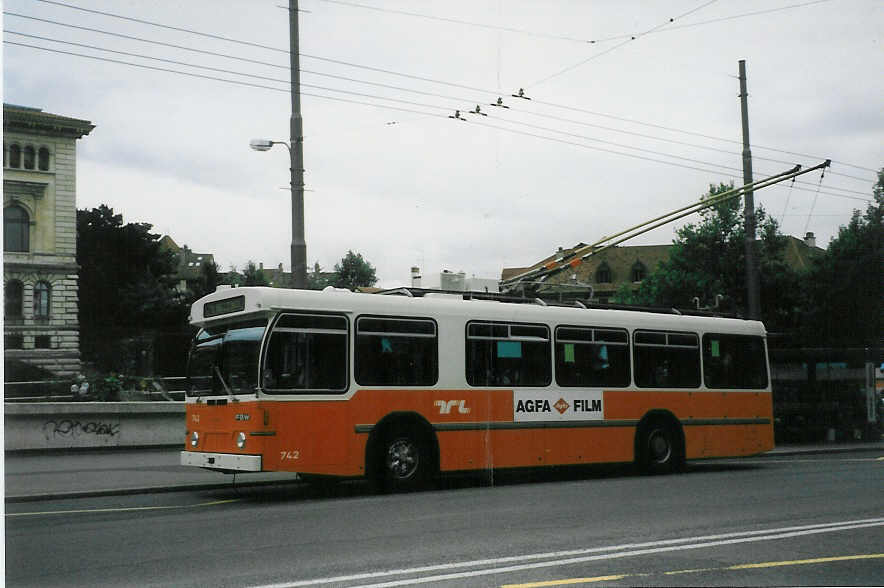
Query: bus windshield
x=224, y=359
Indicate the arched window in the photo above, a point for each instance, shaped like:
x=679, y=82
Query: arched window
x=639, y=272
x=16, y=229
x=43, y=159
x=42, y=294
x=13, y=300
x=603, y=274
x=14, y=155
x=30, y=156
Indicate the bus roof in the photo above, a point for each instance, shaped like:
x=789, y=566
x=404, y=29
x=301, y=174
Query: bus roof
x=228, y=304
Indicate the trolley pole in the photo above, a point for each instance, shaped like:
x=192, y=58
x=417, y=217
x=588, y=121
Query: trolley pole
x=752, y=286
x=296, y=140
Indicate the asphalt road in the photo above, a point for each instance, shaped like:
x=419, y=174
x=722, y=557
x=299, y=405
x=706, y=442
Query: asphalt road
x=812, y=520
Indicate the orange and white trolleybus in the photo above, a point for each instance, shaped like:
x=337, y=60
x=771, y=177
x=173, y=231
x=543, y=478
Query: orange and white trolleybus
x=399, y=388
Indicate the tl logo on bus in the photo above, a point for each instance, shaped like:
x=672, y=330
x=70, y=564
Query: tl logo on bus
x=445, y=406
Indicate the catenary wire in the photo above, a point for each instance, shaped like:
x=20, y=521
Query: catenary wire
x=390, y=72
x=565, y=37
x=228, y=71
x=235, y=82
x=617, y=46
x=190, y=74
x=460, y=22
x=453, y=98
x=536, y=127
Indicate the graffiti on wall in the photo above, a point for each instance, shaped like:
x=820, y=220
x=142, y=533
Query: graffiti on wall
x=68, y=428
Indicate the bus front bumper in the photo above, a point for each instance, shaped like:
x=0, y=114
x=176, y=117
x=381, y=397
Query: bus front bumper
x=222, y=461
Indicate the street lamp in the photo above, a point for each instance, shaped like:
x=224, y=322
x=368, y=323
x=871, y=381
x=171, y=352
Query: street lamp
x=299, y=246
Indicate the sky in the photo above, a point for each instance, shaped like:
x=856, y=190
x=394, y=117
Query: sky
x=634, y=112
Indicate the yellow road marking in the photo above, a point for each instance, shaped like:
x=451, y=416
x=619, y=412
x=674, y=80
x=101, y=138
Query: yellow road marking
x=571, y=581
x=801, y=562
x=126, y=509
x=767, y=564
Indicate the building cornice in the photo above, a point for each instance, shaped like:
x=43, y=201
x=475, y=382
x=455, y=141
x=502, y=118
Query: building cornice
x=32, y=266
x=20, y=119
x=23, y=188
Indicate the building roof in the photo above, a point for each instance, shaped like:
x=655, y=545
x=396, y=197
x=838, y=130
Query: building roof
x=619, y=261
x=23, y=119
x=799, y=254
x=190, y=263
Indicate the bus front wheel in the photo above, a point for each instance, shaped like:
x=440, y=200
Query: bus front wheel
x=405, y=461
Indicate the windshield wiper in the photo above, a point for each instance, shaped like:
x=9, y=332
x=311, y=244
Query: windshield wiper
x=226, y=387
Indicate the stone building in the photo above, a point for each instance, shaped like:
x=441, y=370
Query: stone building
x=40, y=325
x=604, y=274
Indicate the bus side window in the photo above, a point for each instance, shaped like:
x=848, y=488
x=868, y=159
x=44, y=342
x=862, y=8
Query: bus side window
x=666, y=359
x=734, y=361
x=505, y=354
x=307, y=353
x=393, y=351
x=592, y=357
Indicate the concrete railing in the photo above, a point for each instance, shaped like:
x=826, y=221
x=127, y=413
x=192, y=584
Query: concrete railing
x=67, y=425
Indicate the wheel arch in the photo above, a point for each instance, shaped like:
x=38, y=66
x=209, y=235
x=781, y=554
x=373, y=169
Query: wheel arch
x=662, y=416
x=396, y=421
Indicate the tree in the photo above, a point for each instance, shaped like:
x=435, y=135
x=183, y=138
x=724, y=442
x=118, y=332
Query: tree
x=126, y=279
x=353, y=271
x=708, y=262
x=317, y=279
x=254, y=275
x=846, y=285
x=251, y=275
x=208, y=280
x=126, y=286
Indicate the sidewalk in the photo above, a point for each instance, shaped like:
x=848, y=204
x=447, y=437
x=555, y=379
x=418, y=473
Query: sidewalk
x=117, y=471
x=109, y=472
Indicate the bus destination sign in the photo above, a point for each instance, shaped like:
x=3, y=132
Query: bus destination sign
x=226, y=306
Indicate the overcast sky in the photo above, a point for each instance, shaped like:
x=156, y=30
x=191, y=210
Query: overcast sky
x=640, y=127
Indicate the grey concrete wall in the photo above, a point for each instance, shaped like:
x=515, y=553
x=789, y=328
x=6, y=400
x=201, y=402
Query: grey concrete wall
x=66, y=425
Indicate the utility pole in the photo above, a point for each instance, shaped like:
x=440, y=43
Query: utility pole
x=296, y=141
x=749, y=207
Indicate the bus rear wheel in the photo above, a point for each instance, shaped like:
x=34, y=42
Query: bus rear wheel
x=659, y=449
x=405, y=461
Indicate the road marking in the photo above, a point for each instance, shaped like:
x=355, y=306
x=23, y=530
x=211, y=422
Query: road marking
x=562, y=558
x=803, y=562
x=122, y=509
x=571, y=581
x=767, y=564
x=793, y=460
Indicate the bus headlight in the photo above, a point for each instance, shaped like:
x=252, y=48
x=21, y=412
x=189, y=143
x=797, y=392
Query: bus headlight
x=241, y=440
x=194, y=439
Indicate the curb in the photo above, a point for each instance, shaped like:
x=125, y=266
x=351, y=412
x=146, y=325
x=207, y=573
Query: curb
x=144, y=490
x=822, y=450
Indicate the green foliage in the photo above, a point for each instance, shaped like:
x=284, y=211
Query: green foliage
x=707, y=264
x=845, y=290
x=251, y=275
x=126, y=279
x=208, y=280
x=317, y=279
x=353, y=271
x=254, y=275
x=108, y=388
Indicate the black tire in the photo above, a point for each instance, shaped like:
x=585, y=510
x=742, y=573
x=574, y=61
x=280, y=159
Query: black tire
x=659, y=448
x=405, y=463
